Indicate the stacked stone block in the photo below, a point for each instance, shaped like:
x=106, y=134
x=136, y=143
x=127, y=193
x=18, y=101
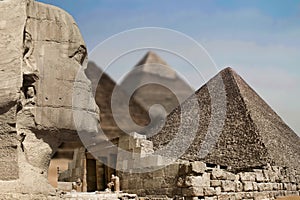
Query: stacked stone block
x=198, y=180
x=137, y=152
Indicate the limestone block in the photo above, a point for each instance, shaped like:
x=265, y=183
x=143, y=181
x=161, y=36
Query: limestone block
x=261, y=195
x=273, y=194
x=294, y=187
x=239, y=195
x=209, y=191
x=259, y=176
x=227, y=197
x=291, y=193
x=238, y=186
x=293, y=179
x=275, y=186
x=280, y=186
x=237, y=177
x=219, y=174
x=270, y=176
x=287, y=186
x=255, y=186
x=218, y=190
x=246, y=195
x=193, y=191
x=297, y=178
x=247, y=176
x=194, y=181
x=285, y=179
x=228, y=186
x=198, y=167
x=264, y=186
x=215, y=183
x=248, y=186
x=206, y=179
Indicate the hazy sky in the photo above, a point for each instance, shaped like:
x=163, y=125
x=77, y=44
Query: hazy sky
x=260, y=39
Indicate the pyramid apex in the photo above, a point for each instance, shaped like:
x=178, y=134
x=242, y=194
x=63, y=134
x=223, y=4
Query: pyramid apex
x=228, y=69
x=153, y=64
x=151, y=58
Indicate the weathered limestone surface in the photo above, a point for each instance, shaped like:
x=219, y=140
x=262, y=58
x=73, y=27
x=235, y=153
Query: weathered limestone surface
x=12, y=19
x=41, y=51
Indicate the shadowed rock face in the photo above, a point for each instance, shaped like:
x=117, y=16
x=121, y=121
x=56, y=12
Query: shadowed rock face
x=41, y=53
x=253, y=135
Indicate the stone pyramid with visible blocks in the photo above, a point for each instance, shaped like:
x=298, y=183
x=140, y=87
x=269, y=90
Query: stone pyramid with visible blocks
x=252, y=135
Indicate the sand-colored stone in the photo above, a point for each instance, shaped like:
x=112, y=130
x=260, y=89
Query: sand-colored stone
x=41, y=53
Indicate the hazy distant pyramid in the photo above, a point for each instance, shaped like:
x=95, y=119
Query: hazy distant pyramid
x=253, y=134
x=162, y=69
x=166, y=88
x=104, y=90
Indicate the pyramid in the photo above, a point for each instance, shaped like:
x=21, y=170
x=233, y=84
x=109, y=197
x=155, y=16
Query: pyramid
x=253, y=135
x=169, y=90
x=104, y=89
x=152, y=58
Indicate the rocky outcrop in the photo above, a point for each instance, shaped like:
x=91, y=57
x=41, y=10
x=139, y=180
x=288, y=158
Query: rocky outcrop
x=41, y=53
x=11, y=48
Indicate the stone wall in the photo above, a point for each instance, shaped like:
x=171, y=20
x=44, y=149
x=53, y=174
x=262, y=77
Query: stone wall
x=197, y=180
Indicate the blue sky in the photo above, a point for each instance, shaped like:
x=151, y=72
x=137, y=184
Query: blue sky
x=260, y=39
